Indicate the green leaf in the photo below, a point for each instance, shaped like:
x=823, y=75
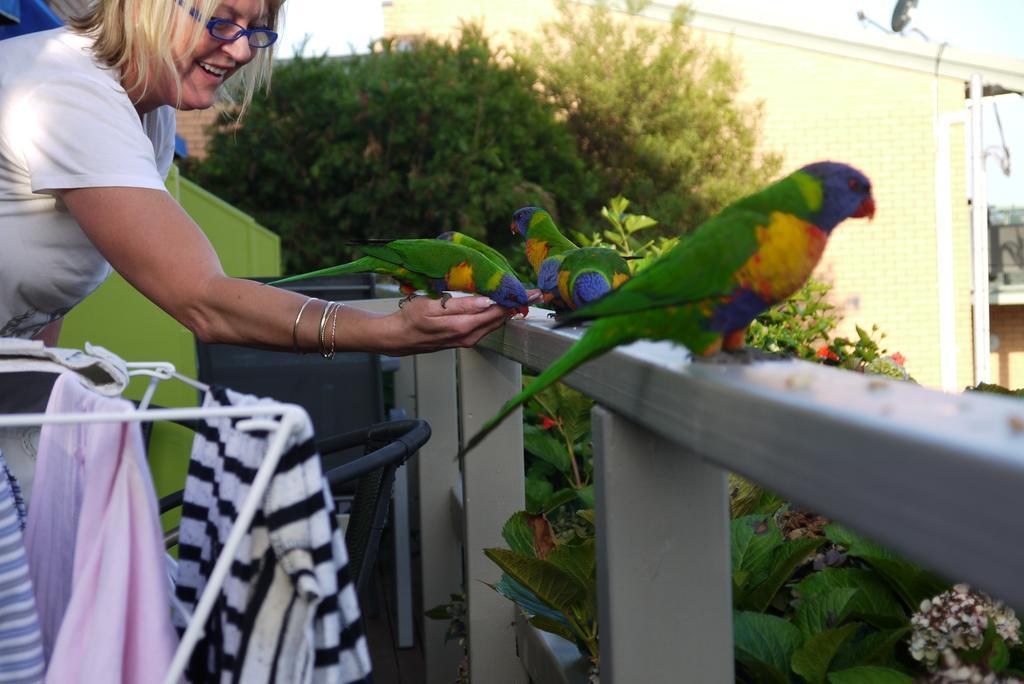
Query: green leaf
x=811, y=661
x=554, y=627
x=785, y=559
x=537, y=493
x=588, y=515
x=910, y=582
x=438, y=612
x=766, y=641
x=875, y=648
x=553, y=586
x=869, y=675
x=545, y=447
x=559, y=498
x=999, y=655
x=586, y=495
x=759, y=672
x=518, y=534
x=527, y=600
x=752, y=541
x=875, y=603
x=823, y=611
x=579, y=560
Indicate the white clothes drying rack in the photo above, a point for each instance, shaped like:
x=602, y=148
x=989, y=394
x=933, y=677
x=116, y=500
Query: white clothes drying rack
x=279, y=420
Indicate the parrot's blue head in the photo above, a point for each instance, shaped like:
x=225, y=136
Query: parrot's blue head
x=522, y=219
x=846, y=193
x=511, y=294
x=448, y=235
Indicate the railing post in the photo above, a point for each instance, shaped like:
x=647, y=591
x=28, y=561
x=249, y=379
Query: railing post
x=663, y=570
x=433, y=385
x=493, y=490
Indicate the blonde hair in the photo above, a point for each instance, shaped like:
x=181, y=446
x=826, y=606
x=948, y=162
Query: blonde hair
x=142, y=48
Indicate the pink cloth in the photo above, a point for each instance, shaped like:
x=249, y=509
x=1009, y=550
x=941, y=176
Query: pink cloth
x=95, y=548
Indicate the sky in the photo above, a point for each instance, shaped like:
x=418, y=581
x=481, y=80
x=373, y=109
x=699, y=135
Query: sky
x=991, y=26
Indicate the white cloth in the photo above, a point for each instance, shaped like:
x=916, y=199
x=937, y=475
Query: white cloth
x=98, y=368
x=288, y=611
x=65, y=122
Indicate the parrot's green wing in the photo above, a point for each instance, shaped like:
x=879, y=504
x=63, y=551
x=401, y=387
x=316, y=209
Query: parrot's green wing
x=432, y=258
x=363, y=265
x=472, y=243
x=702, y=265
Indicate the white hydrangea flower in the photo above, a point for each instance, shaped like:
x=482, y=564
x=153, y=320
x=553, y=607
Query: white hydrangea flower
x=954, y=671
x=957, y=620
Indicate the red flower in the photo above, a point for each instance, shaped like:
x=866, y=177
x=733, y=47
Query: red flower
x=546, y=423
x=826, y=353
x=899, y=359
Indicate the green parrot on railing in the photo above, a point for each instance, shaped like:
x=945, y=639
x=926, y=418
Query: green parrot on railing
x=705, y=291
x=568, y=276
x=435, y=267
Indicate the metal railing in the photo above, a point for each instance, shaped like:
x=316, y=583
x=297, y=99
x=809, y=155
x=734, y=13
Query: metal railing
x=936, y=477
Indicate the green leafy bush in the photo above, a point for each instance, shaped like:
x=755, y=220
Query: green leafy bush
x=662, y=124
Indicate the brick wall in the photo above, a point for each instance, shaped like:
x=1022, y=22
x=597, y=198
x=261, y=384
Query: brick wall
x=1007, y=360
x=192, y=127
x=822, y=106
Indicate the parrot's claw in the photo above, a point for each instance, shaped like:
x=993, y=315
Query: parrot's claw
x=552, y=314
x=408, y=298
x=445, y=296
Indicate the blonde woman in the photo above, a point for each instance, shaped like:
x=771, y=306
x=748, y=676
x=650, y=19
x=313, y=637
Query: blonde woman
x=86, y=141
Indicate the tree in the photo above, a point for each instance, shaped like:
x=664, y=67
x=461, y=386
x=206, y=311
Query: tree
x=407, y=141
x=654, y=111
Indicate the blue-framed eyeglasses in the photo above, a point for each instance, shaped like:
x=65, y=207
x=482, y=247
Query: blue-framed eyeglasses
x=229, y=31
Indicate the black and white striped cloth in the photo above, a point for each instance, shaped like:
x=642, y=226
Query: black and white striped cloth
x=288, y=611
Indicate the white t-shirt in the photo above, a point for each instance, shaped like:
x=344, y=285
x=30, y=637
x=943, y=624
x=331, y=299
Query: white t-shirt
x=65, y=122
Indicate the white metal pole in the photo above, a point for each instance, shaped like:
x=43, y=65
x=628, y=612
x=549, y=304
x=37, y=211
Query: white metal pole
x=944, y=250
x=979, y=236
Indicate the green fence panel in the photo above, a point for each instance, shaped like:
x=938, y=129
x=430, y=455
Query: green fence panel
x=117, y=317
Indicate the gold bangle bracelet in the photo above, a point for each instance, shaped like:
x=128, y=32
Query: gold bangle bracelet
x=323, y=325
x=334, y=329
x=295, y=328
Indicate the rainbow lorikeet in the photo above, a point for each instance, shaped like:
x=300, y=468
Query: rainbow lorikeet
x=435, y=267
x=705, y=291
x=568, y=276
x=543, y=239
x=471, y=242
x=585, y=275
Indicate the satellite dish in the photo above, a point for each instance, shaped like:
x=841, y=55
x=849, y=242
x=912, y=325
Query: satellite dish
x=901, y=14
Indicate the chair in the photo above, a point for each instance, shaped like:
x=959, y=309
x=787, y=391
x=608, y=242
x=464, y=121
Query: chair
x=386, y=447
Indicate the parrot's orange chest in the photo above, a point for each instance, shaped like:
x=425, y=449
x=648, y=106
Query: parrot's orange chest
x=460, y=278
x=789, y=249
x=536, y=252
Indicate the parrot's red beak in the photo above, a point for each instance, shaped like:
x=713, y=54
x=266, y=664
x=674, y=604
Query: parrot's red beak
x=525, y=310
x=547, y=297
x=866, y=208
x=513, y=227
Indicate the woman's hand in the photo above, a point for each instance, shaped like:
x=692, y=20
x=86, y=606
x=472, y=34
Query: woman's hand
x=424, y=325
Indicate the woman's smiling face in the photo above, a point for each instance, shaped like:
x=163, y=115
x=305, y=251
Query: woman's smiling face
x=211, y=63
